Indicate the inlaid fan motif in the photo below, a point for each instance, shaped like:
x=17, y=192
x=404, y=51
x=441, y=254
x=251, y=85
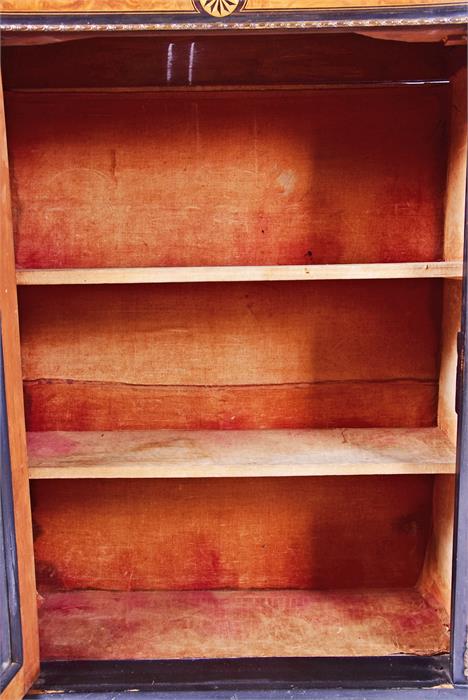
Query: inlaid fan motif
x=219, y=8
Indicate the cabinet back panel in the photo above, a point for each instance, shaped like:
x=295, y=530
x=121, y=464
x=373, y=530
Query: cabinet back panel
x=318, y=532
x=71, y=405
x=242, y=178
x=247, y=355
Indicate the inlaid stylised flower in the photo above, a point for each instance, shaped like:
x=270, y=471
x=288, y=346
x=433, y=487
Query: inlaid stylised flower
x=219, y=8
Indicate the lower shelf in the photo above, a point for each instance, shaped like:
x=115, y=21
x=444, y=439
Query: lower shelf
x=238, y=453
x=215, y=624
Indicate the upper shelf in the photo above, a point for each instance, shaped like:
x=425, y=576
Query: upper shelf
x=134, y=275
x=238, y=453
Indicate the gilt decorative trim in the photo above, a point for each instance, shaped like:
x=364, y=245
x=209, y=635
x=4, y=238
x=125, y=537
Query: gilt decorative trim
x=223, y=25
x=215, y=15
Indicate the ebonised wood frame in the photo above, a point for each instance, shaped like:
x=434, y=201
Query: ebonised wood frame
x=10, y=621
x=254, y=674
x=459, y=622
x=306, y=678
x=445, y=693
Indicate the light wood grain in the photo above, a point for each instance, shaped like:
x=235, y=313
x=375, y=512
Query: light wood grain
x=216, y=453
x=447, y=418
x=436, y=576
x=137, y=275
x=454, y=231
x=16, y=433
x=456, y=170
x=96, y=624
x=186, y=5
x=311, y=4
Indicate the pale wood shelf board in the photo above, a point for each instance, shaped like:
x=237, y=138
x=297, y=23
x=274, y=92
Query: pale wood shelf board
x=135, y=275
x=204, y=624
x=239, y=453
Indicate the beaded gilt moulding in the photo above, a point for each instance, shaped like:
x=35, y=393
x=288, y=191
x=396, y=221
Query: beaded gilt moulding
x=150, y=15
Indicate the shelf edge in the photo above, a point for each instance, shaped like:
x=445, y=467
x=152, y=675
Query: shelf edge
x=161, y=275
x=142, y=471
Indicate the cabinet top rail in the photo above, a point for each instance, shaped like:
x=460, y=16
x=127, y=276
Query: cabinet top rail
x=192, y=15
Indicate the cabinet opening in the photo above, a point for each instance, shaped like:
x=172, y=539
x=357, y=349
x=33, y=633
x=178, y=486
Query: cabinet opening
x=239, y=296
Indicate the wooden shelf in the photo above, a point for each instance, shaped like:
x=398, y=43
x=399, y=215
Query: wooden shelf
x=242, y=623
x=136, y=275
x=238, y=453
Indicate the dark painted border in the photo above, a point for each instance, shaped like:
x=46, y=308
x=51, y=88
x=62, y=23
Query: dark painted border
x=411, y=15
x=447, y=693
x=459, y=625
x=11, y=617
x=249, y=674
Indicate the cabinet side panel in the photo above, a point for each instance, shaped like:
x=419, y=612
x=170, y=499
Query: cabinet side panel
x=453, y=250
x=15, y=411
x=455, y=198
x=451, y=318
x=436, y=579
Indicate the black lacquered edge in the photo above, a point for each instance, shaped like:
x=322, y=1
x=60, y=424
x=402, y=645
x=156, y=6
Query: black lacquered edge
x=445, y=693
x=10, y=617
x=459, y=623
x=248, y=674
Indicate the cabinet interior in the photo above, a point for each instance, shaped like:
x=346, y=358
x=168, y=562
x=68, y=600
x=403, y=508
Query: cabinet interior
x=239, y=267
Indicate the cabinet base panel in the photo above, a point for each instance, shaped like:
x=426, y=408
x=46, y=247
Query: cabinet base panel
x=301, y=677
x=223, y=624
